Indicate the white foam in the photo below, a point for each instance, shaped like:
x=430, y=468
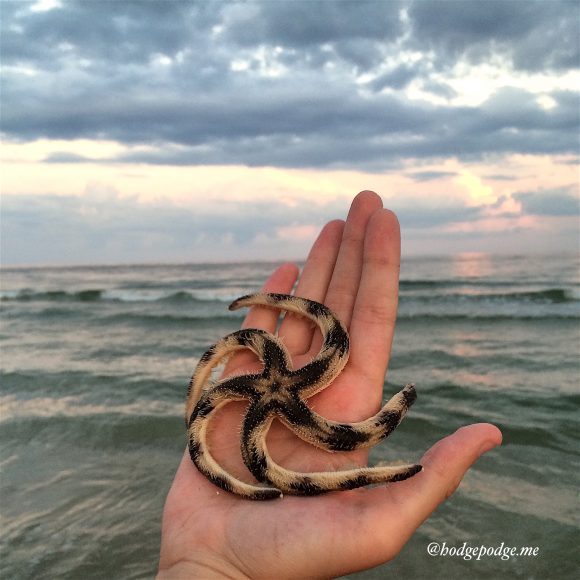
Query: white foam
x=12, y=407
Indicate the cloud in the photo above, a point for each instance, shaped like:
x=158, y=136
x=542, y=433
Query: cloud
x=316, y=33
x=289, y=84
x=65, y=157
x=120, y=33
x=545, y=202
x=104, y=227
x=500, y=177
x=397, y=78
x=534, y=35
x=344, y=131
x=431, y=175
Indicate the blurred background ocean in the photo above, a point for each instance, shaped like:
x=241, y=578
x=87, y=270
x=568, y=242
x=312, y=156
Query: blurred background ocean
x=95, y=363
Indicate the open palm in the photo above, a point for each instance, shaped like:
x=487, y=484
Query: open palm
x=353, y=268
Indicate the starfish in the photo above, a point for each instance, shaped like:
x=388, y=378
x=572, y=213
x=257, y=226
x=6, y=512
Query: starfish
x=279, y=391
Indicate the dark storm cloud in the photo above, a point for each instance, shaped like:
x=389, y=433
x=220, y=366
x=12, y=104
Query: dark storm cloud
x=301, y=24
x=534, y=35
x=319, y=32
x=279, y=83
x=118, y=32
x=562, y=201
x=344, y=131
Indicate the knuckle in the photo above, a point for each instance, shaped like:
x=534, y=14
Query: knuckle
x=381, y=260
x=376, y=314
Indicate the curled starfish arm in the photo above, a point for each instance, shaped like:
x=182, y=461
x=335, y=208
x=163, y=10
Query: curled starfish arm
x=333, y=355
x=219, y=353
x=327, y=435
x=341, y=436
x=264, y=468
x=211, y=400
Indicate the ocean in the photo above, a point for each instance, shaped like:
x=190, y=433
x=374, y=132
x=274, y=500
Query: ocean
x=96, y=360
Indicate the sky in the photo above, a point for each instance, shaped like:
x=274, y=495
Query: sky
x=177, y=131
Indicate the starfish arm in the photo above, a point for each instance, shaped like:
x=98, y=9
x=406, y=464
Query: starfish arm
x=200, y=454
x=316, y=483
x=275, y=356
x=316, y=375
x=252, y=339
x=337, y=436
x=257, y=421
x=263, y=467
x=328, y=435
x=333, y=354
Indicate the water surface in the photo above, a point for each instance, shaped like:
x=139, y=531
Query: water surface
x=95, y=362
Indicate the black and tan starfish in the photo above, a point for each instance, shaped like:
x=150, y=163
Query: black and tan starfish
x=279, y=391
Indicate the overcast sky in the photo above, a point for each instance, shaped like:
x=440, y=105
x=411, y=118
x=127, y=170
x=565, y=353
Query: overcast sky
x=145, y=131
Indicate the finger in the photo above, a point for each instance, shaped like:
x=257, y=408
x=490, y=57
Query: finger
x=345, y=279
x=409, y=503
x=375, y=309
x=313, y=284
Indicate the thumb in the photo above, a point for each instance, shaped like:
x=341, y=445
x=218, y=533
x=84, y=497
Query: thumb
x=445, y=464
x=409, y=503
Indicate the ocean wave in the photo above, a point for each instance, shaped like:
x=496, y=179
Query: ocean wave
x=556, y=295
x=61, y=421
x=156, y=320
x=486, y=317
x=208, y=317
x=427, y=283
x=27, y=295
x=75, y=406
x=545, y=296
x=103, y=432
x=120, y=295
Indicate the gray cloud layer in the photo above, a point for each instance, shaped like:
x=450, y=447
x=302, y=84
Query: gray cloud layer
x=283, y=83
x=556, y=202
x=533, y=35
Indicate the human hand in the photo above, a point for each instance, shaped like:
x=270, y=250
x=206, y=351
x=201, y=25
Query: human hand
x=353, y=268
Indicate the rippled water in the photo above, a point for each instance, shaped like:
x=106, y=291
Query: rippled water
x=95, y=363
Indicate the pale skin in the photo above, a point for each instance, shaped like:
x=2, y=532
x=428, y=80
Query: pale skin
x=353, y=268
